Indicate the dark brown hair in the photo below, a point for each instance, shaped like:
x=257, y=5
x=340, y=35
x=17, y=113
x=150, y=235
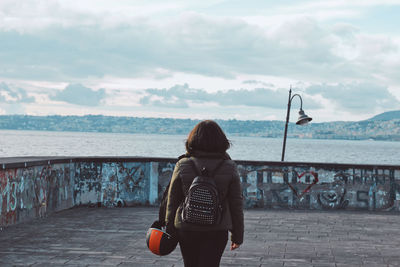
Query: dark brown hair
x=207, y=136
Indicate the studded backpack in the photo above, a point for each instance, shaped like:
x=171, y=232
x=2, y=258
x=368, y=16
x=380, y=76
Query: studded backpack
x=202, y=204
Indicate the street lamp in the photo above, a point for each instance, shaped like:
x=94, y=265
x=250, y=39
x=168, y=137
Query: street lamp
x=302, y=120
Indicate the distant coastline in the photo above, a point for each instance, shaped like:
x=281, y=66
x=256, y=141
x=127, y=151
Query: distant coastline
x=388, y=130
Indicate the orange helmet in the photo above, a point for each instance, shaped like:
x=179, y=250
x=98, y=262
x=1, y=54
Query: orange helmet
x=158, y=241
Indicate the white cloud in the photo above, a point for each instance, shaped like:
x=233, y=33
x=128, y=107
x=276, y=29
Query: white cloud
x=182, y=96
x=230, y=50
x=341, y=101
x=14, y=94
x=259, y=83
x=356, y=97
x=332, y=4
x=300, y=48
x=342, y=8
x=186, y=45
x=80, y=95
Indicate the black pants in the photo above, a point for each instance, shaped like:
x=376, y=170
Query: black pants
x=202, y=249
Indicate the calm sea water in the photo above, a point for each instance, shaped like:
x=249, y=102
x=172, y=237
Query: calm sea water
x=42, y=143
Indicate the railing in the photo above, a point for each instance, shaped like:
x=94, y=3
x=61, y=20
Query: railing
x=34, y=187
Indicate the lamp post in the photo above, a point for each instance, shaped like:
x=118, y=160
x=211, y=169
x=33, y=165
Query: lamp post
x=302, y=120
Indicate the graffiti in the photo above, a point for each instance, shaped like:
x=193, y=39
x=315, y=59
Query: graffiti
x=8, y=197
x=41, y=191
x=295, y=187
x=133, y=177
x=333, y=199
x=124, y=184
x=27, y=191
x=333, y=193
x=307, y=189
x=87, y=183
x=277, y=187
x=164, y=177
x=30, y=192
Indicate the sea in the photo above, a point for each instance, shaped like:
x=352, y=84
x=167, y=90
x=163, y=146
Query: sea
x=14, y=143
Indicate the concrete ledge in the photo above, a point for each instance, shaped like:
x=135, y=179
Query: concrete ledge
x=20, y=162
x=32, y=187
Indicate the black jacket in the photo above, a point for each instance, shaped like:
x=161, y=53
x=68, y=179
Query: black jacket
x=230, y=192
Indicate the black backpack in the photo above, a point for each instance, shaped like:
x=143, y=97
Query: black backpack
x=202, y=204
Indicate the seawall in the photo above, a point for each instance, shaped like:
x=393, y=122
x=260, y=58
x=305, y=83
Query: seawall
x=35, y=187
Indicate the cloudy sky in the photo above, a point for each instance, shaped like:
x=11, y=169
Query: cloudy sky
x=200, y=59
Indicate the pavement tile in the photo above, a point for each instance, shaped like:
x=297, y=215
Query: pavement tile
x=347, y=265
x=63, y=265
x=132, y=264
x=323, y=260
x=324, y=264
x=272, y=264
x=296, y=264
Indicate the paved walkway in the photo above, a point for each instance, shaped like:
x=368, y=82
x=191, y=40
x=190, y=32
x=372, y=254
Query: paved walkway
x=116, y=237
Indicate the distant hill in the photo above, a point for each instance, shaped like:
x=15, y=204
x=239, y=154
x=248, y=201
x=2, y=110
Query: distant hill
x=386, y=116
x=385, y=126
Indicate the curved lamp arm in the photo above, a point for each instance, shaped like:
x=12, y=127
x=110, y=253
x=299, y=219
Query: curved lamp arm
x=301, y=100
x=303, y=119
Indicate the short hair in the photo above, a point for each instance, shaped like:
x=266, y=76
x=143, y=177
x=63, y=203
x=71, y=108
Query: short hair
x=207, y=136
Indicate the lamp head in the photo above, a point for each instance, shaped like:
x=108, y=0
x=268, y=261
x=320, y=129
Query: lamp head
x=303, y=118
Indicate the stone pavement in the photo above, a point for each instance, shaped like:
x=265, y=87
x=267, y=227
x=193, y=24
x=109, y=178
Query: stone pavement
x=116, y=237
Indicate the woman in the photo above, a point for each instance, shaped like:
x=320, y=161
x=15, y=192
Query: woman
x=203, y=245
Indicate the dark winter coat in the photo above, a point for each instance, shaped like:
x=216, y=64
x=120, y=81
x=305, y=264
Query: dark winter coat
x=230, y=193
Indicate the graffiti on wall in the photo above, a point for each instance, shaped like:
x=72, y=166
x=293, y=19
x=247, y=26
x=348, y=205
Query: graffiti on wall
x=36, y=191
x=299, y=187
x=32, y=192
x=8, y=197
x=111, y=184
x=87, y=182
x=165, y=170
x=124, y=184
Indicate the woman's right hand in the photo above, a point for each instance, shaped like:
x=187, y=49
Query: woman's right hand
x=234, y=246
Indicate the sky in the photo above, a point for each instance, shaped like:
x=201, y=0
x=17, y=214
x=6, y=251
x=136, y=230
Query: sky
x=210, y=59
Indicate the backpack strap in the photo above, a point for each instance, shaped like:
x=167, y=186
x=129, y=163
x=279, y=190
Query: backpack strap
x=195, y=167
